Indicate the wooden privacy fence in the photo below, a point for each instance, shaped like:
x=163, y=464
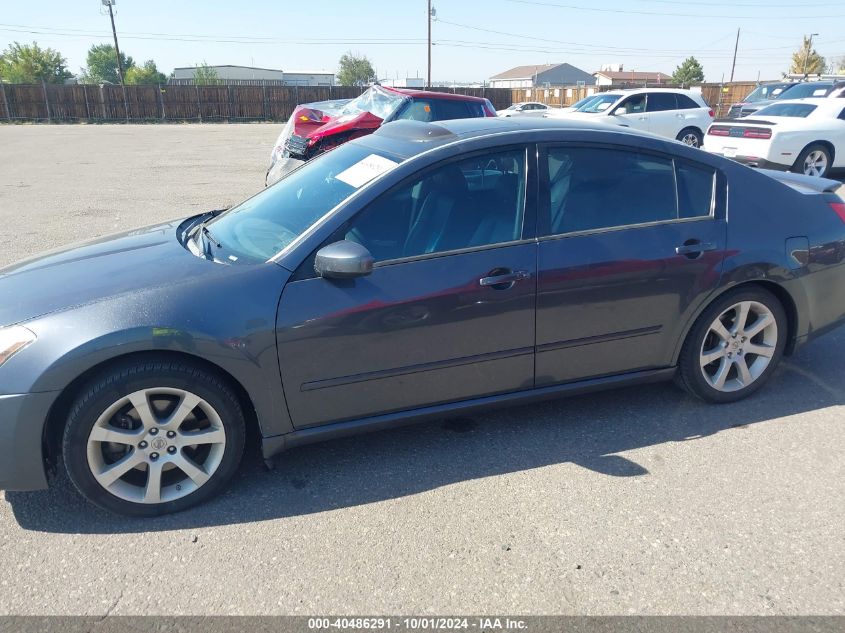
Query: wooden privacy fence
x=717, y=96
x=101, y=103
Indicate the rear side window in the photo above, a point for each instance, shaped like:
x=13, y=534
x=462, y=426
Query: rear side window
x=598, y=188
x=449, y=109
x=660, y=101
x=685, y=103
x=695, y=190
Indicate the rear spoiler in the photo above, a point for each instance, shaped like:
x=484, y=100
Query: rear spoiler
x=802, y=183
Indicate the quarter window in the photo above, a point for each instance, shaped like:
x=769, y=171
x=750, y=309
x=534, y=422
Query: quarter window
x=474, y=202
x=597, y=188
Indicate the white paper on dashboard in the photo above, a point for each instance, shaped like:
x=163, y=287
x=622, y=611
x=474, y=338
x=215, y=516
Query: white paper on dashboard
x=365, y=170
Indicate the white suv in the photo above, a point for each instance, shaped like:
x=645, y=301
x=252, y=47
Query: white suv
x=677, y=114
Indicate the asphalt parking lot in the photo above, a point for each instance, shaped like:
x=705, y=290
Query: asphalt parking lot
x=636, y=501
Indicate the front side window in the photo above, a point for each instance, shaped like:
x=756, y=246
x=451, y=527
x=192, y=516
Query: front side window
x=473, y=202
x=634, y=105
x=598, y=188
x=417, y=110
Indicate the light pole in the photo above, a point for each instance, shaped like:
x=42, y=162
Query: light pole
x=807, y=54
x=109, y=4
x=431, y=15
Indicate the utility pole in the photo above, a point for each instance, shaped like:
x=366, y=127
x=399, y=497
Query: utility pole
x=109, y=4
x=736, y=48
x=428, y=84
x=807, y=54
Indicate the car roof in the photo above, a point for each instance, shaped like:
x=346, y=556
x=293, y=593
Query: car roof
x=407, y=138
x=433, y=94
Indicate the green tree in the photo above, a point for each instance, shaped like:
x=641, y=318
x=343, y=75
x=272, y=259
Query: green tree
x=205, y=75
x=808, y=61
x=102, y=65
x=146, y=74
x=690, y=72
x=355, y=70
x=31, y=64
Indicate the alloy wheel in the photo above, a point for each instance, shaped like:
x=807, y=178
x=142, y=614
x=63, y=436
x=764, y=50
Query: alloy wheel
x=156, y=445
x=815, y=164
x=739, y=346
x=690, y=139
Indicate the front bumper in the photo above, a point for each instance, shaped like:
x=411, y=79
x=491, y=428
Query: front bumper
x=22, y=419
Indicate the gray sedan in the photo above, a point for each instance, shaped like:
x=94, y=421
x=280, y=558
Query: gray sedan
x=414, y=273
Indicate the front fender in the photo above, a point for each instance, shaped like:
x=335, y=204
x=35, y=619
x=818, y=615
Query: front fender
x=195, y=321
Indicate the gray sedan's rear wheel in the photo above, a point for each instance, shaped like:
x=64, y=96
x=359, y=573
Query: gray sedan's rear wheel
x=734, y=346
x=151, y=438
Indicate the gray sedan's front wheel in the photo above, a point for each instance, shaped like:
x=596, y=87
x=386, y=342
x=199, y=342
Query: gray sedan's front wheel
x=151, y=437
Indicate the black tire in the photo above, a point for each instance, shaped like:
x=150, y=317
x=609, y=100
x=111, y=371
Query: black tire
x=798, y=167
x=691, y=375
x=689, y=132
x=103, y=391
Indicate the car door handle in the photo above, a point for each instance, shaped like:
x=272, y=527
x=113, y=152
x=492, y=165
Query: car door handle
x=504, y=278
x=694, y=247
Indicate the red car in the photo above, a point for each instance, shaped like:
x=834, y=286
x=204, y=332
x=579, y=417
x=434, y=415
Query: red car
x=314, y=128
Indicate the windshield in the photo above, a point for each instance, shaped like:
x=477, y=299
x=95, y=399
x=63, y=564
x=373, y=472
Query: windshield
x=812, y=89
x=599, y=103
x=375, y=100
x=265, y=224
x=797, y=110
x=767, y=91
x=582, y=102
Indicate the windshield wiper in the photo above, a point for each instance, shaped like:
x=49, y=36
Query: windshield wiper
x=206, y=239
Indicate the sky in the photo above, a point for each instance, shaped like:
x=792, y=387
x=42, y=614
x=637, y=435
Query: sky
x=473, y=39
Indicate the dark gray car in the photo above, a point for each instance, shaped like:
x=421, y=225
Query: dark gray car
x=410, y=274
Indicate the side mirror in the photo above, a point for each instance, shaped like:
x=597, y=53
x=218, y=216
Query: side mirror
x=343, y=260
x=620, y=111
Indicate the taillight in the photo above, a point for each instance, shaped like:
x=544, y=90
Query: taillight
x=719, y=130
x=839, y=209
x=711, y=113
x=757, y=132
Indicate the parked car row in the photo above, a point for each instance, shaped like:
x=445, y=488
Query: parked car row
x=768, y=93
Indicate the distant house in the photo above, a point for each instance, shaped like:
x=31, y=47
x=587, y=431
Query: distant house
x=542, y=75
x=228, y=72
x=629, y=77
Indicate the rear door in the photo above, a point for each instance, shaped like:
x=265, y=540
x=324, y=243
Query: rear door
x=664, y=118
x=631, y=245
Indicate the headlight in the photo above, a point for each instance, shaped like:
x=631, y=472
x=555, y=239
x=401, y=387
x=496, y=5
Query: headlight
x=12, y=340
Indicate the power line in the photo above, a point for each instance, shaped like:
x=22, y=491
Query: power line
x=682, y=15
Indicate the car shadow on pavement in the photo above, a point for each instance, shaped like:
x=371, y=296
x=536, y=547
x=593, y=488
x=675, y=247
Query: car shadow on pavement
x=589, y=431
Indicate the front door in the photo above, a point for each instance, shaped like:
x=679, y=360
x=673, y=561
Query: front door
x=446, y=315
x=635, y=115
x=633, y=245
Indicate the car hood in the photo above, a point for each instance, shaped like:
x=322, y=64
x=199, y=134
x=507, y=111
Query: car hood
x=80, y=274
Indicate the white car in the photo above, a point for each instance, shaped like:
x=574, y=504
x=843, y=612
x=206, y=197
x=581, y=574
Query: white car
x=678, y=114
x=806, y=136
x=528, y=108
